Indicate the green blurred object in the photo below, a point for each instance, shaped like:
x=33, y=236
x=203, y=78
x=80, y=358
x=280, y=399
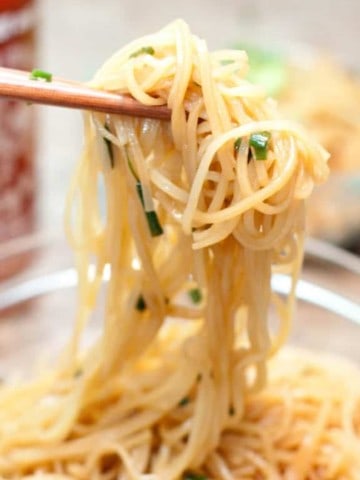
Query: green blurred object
x=268, y=68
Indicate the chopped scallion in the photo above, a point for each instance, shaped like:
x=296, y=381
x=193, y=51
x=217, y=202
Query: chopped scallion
x=131, y=166
x=151, y=216
x=154, y=224
x=140, y=192
x=237, y=145
x=195, y=295
x=184, y=401
x=109, y=147
x=37, y=74
x=143, y=51
x=140, y=304
x=194, y=476
x=132, y=169
x=259, y=142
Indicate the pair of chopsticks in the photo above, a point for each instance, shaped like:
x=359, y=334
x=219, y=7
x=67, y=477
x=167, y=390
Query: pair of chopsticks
x=18, y=85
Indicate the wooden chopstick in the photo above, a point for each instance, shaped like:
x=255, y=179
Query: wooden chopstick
x=17, y=84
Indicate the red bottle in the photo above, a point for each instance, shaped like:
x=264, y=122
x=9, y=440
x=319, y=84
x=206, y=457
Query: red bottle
x=17, y=172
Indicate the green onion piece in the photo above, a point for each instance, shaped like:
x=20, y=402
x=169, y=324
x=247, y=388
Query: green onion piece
x=140, y=192
x=226, y=61
x=140, y=304
x=194, y=476
x=260, y=142
x=154, y=224
x=143, y=51
x=132, y=169
x=131, y=166
x=195, y=295
x=237, y=145
x=151, y=217
x=184, y=401
x=37, y=74
x=109, y=147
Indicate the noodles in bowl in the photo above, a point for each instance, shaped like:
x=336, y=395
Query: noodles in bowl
x=185, y=380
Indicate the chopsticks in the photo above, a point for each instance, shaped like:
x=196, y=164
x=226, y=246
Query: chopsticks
x=18, y=85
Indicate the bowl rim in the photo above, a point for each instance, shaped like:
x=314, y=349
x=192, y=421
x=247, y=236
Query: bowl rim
x=314, y=248
x=25, y=289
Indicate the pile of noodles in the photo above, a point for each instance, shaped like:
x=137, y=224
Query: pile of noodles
x=178, y=385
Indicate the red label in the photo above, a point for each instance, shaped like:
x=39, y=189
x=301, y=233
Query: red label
x=17, y=176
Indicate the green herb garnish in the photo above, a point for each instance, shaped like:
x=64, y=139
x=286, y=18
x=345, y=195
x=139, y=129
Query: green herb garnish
x=259, y=142
x=131, y=166
x=237, y=145
x=184, y=401
x=143, y=51
x=154, y=224
x=194, y=476
x=37, y=74
x=151, y=216
x=109, y=147
x=140, y=192
x=140, y=304
x=195, y=295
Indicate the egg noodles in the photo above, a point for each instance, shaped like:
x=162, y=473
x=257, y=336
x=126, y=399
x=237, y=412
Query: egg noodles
x=184, y=379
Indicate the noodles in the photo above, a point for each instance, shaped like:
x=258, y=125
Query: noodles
x=304, y=425
x=210, y=203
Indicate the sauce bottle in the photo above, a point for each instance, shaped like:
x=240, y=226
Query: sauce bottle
x=17, y=172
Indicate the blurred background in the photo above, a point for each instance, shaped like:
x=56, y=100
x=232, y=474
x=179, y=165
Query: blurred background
x=288, y=41
x=75, y=36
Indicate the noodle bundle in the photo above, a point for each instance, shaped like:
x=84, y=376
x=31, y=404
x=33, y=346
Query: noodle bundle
x=199, y=213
